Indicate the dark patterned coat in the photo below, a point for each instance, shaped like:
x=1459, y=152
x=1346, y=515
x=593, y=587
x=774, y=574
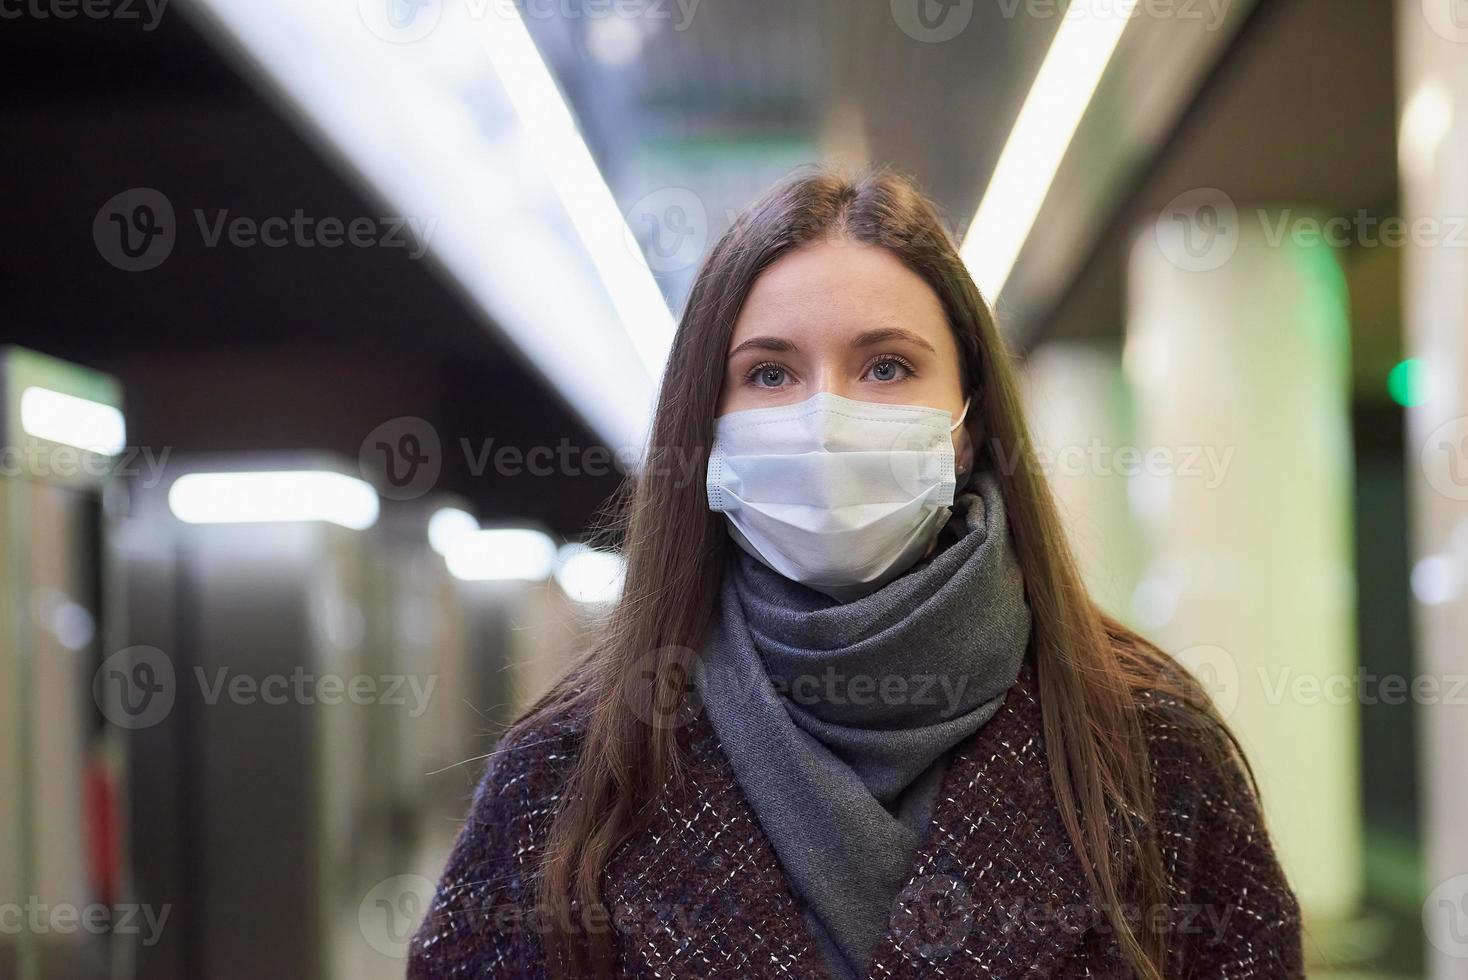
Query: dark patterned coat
x=996, y=890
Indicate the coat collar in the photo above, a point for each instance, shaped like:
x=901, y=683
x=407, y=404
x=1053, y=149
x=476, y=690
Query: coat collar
x=995, y=887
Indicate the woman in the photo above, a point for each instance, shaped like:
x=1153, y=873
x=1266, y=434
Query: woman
x=855, y=714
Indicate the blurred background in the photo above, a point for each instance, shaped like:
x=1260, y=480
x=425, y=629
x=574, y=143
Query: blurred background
x=333, y=326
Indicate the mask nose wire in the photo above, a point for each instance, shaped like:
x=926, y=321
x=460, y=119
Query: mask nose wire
x=961, y=415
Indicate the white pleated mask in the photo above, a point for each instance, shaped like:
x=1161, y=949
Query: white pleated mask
x=839, y=495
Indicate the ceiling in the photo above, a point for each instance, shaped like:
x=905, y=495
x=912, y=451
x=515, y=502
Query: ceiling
x=230, y=348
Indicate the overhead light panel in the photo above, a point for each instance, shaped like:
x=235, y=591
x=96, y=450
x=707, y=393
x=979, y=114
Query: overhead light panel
x=448, y=525
x=1067, y=81
x=547, y=122
x=274, y=497
x=502, y=554
x=449, y=114
x=58, y=417
x=590, y=576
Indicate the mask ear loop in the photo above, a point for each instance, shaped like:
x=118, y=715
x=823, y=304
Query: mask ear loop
x=961, y=415
x=962, y=475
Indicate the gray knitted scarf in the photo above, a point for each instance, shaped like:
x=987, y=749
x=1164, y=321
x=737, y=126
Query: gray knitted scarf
x=838, y=718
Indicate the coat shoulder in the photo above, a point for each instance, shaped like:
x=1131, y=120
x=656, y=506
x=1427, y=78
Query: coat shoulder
x=484, y=907
x=1237, y=911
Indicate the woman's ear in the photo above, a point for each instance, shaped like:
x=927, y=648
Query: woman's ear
x=964, y=453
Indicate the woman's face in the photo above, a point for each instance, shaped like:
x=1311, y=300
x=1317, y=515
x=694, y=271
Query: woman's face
x=846, y=318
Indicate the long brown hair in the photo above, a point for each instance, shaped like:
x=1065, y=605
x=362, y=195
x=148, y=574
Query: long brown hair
x=1090, y=669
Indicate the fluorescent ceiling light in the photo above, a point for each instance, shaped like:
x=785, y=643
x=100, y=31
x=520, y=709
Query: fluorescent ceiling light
x=1052, y=112
x=548, y=123
x=502, y=554
x=80, y=422
x=1427, y=119
x=454, y=120
x=273, y=497
x=448, y=525
x=590, y=576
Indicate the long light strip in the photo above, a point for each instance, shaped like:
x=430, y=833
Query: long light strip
x=502, y=554
x=590, y=576
x=448, y=525
x=80, y=422
x=273, y=497
x=456, y=123
x=1067, y=81
x=548, y=123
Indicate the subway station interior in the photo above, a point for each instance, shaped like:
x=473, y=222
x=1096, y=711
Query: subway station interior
x=331, y=329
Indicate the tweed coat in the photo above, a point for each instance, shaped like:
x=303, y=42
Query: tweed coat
x=995, y=891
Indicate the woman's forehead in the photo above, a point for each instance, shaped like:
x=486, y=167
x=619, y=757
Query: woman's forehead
x=840, y=290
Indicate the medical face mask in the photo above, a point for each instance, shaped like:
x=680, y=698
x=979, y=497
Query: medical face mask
x=840, y=495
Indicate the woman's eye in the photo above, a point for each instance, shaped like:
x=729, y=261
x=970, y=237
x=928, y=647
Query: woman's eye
x=888, y=369
x=767, y=376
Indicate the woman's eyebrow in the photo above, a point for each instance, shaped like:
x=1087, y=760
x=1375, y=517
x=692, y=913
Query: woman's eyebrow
x=764, y=343
x=885, y=334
